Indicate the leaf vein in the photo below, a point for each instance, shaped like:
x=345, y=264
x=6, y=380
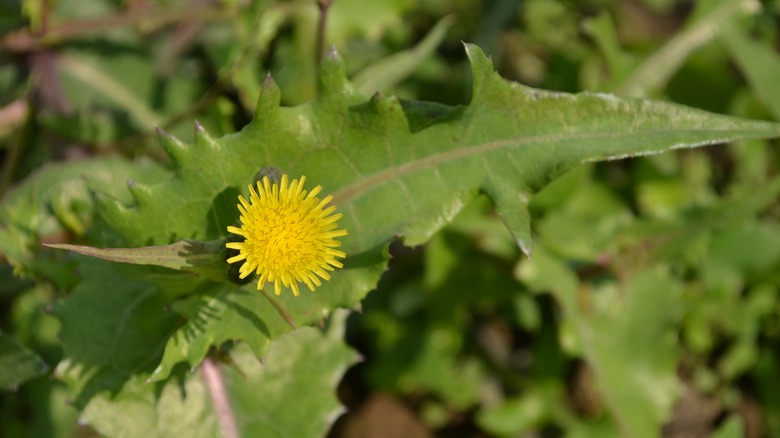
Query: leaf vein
x=361, y=186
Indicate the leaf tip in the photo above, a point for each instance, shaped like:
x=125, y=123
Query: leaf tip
x=203, y=138
x=332, y=53
x=159, y=374
x=140, y=192
x=110, y=208
x=385, y=105
x=526, y=247
x=377, y=101
x=476, y=55
x=333, y=73
x=172, y=146
x=269, y=98
x=481, y=66
x=511, y=206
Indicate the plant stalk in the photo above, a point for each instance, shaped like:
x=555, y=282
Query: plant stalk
x=324, y=6
x=212, y=376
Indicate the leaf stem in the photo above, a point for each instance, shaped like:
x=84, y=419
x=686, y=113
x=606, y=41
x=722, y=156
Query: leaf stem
x=283, y=312
x=212, y=376
x=324, y=5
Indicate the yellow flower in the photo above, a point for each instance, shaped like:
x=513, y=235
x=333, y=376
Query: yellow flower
x=289, y=235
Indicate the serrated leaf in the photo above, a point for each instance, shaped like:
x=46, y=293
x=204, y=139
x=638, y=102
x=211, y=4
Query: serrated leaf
x=17, y=364
x=300, y=370
x=222, y=314
x=241, y=313
x=510, y=141
x=177, y=408
x=398, y=169
x=111, y=333
x=132, y=312
x=44, y=203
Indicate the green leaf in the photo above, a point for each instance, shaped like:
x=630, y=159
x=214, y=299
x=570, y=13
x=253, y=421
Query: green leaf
x=759, y=63
x=220, y=315
x=509, y=142
x=17, y=364
x=735, y=253
x=520, y=414
x=57, y=199
x=108, y=87
x=583, y=224
x=688, y=237
x=185, y=255
x=114, y=326
x=140, y=410
x=389, y=71
x=610, y=323
x=302, y=370
x=701, y=28
x=640, y=328
x=618, y=63
x=348, y=18
x=231, y=312
x=135, y=334
x=116, y=88
x=394, y=170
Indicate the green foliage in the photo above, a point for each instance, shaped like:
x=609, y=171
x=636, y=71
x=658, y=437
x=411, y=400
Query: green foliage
x=299, y=371
x=306, y=367
x=17, y=364
x=510, y=276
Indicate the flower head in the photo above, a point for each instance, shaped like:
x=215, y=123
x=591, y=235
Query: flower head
x=289, y=235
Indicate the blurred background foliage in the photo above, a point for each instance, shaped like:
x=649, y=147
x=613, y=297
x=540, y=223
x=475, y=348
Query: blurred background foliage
x=651, y=302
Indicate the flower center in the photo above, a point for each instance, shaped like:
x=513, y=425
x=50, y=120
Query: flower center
x=289, y=237
x=284, y=237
